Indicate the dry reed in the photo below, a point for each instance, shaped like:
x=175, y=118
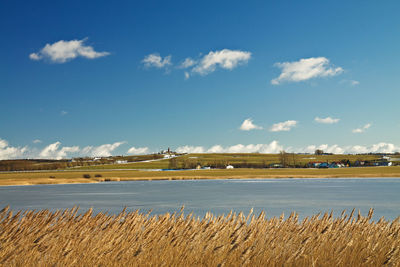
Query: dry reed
x=66, y=238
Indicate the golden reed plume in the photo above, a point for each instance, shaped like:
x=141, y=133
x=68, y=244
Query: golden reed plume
x=67, y=238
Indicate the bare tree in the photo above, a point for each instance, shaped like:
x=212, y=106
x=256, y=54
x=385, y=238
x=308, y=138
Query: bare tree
x=284, y=158
x=319, y=152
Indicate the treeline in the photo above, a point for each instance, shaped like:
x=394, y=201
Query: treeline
x=28, y=165
x=185, y=163
x=37, y=165
x=48, y=164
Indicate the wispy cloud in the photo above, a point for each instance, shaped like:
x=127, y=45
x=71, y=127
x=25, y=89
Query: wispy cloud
x=350, y=82
x=156, y=61
x=327, y=120
x=63, y=112
x=283, y=126
x=362, y=129
x=37, y=141
x=63, y=51
x=187, y=63
x=354, y=82
x=305, y=69
x=225, y=59
x=187, y=75
x=248, y=125
x=138, y=150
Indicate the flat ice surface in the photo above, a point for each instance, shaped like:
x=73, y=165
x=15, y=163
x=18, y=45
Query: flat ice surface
x=305, y=196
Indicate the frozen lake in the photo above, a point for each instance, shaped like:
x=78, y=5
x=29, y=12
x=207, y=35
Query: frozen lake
x=274, y=196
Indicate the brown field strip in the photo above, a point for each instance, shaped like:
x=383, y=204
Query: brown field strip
x=63, y=177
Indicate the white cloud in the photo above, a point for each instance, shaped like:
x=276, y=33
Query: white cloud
x=353, y=82
x=335, y=149
x=350, y=82
x=305, y=69
x=37, y=141
x=226, y=59
x=327, y=120
x=362, y=129
x=248, y=125
x=216, y=149
x=53, y=151
x=3, y=143
x=272, y=147
x=187, y=63
x=9, y=152
x=63, y=51
x=63, y=112
x=138, y=151
x=381, y=147
x=187, y=75
x=283, y=126
x=101, y=151
x=190, y=149
x=156, y=61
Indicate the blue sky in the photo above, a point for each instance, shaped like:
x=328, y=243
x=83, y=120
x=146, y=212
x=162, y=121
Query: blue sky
x=102, y=78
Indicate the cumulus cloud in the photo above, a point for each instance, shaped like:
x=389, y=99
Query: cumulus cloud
x=156, y=61
x=101, y=151
x=305, y=69
x=226, y=59
x=138, y=151
x=335, y=149
x=187, y=63
x=63, y=51
x=10, y=152
x=248, y=125
x=53, y=151
x=273, y=147
x=190, y=149
x=37, y=141
x=283, y=126
x=327, y=120
x=381, y=147
x=362, y=129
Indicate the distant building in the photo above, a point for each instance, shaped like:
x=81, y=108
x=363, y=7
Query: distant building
x=167, y=152
x=230, y=167
x=121, y=161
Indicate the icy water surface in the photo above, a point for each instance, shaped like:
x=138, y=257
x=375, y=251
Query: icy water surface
x=274, y=196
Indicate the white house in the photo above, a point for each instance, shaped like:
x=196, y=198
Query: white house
x=230, y=167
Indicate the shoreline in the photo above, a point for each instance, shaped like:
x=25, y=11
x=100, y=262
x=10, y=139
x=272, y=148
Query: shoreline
x=98, y=176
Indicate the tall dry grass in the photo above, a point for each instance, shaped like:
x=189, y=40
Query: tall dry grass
x=65, y=238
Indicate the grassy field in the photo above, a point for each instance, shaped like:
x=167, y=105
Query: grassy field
x=159, y=164
x=63, y=177
x=63, y=238
x=233, y=158
x=188, y=161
